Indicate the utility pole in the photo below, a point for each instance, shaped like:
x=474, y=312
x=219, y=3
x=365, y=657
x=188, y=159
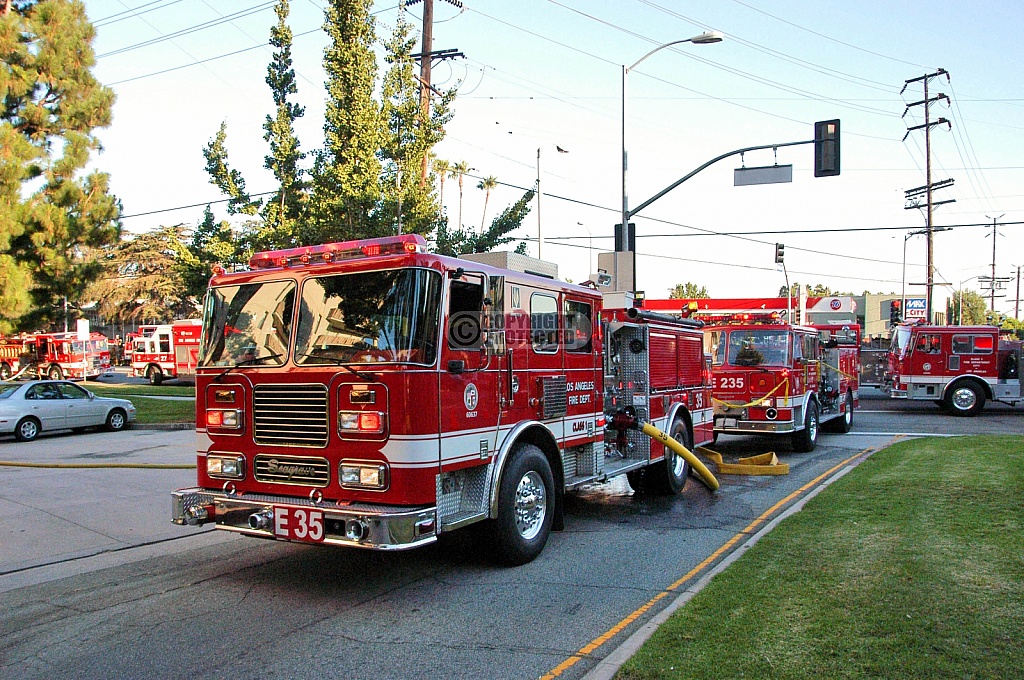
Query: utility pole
x=426, y=58
x=992, y=293
x=927, y=102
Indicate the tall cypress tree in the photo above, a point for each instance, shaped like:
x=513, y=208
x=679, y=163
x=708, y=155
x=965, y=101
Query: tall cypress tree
x=346, y=172
x=51, y=216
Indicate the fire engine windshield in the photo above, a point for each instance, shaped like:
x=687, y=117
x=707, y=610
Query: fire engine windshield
x=758, y=347
x=900, y=340
x=248, y=324
x=369, y=317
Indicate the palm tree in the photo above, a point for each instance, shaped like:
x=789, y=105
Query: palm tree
x=487, y=183
x=456, y=172
x=442, y=168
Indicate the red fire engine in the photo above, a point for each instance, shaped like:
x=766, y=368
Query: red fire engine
x=11, y=350
x=65, y=355
x=776, y=378
x=371, y=394
x=957, y=367
x=167, y=351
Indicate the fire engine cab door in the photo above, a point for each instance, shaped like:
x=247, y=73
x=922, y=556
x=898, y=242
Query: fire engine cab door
x=469, y=376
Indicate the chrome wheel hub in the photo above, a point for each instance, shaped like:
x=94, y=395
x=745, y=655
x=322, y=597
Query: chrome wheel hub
x=531, y=505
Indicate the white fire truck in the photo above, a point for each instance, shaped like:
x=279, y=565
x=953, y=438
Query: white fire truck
x=957, y=367
x=771, y=377
x=167, y=351
x=65, y=355
x=371, y=394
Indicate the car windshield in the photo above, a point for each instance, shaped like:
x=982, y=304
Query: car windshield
x=248, y=324
x=756, y=347
x=369, y=317
x=7, y=389
x=900, y=340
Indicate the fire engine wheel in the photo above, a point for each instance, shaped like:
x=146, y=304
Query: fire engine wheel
x=155, y=375
x=26, y=430
x=667, y=476
x=525, y=507
x=806, y=439
x=965, y=399
x=5, y=371
x=55, y=373
x=117, y=420
x=842, y=425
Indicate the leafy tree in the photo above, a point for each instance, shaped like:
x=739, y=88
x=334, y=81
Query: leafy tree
x=346, y=172
x=967, y=308
x=282, y=212
x=143, y=280
x=462, y=241
x=688, y=291
x=407, y=140
x=210, y=243
x=51, y=217
x=487, y=184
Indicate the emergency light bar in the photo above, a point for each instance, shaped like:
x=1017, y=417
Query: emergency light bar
x=339, y=252
x=743, y=318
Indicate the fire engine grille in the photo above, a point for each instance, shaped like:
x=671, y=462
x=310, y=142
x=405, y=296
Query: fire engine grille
x=290, y=415
x=301, y=470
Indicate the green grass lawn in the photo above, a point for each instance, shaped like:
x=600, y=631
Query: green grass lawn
x=910, y=566
x=149, y=409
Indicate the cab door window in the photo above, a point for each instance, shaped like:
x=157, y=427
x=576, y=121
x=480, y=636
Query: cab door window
x=465, y=314
x=544, y=323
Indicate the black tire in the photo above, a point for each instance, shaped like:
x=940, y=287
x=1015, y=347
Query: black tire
x=27, y=429
x=844, y=423
x=668, y=476
x=117, y=420
x=55, y=373
x=966, y=398
x=526, y=508
x=155, y=375
x=806, y=439
x=5, y=371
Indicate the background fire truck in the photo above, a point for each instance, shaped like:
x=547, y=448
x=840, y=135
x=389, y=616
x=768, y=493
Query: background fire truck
x=957, y=367
x=65, y=355
x=771, y=377
x=11, y=349
x=167, y=351
x=371, y=394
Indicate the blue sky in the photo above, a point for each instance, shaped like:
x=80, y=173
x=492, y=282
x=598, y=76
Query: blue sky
x=544, y=73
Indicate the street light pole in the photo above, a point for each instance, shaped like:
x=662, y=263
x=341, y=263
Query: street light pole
x=705, y=38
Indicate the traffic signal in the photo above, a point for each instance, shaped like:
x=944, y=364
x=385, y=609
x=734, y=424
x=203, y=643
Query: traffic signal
x=780, y=253
x=895, y=312
x=826, y=148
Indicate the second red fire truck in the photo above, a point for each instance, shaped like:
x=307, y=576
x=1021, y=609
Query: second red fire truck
x=957, y=367
x=770, y=377
x=371, y=394
x=167, y=351
x=57, y=356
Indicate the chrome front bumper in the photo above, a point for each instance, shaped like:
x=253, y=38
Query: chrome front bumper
x=383, y=527
x=735, y=426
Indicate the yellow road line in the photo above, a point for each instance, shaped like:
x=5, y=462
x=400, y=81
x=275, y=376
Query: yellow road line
x=144, y=466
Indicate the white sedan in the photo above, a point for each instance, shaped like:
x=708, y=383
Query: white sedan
x=28, y=408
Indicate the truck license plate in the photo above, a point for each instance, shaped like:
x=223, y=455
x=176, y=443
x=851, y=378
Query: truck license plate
x=299, y=524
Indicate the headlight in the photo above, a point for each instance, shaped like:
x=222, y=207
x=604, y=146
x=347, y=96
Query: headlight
x=232, y=467
x=364, y=475
x=226, y=418
x=367, y=422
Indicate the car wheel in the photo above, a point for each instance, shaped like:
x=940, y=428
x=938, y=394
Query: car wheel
x=806, y=439
x=155, y=375
x=526, y=508
x=26, y=430
x=55, y=373
x=965, y=399
x=117, y=420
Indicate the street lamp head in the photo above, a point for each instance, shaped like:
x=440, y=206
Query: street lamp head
x=707, y=38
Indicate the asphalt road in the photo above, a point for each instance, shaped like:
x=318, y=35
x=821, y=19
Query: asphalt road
x=96, y=583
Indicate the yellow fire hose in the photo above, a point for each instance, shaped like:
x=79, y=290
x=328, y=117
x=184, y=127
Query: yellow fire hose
x=762, y=464
x=702, y=471
x=94, y=466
